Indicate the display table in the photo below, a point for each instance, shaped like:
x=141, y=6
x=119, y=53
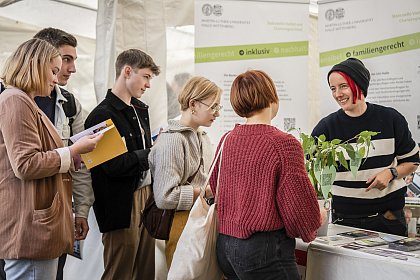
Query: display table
x=316, y=261
x=334, y=262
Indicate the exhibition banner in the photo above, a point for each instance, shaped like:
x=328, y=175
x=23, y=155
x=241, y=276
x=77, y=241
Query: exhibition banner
x=232, y=37
x=385, y=35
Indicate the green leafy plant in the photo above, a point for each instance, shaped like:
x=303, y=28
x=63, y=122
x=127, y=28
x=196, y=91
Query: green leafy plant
x=322, y=157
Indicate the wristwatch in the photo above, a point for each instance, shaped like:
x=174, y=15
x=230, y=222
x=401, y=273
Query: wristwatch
x=394, y=173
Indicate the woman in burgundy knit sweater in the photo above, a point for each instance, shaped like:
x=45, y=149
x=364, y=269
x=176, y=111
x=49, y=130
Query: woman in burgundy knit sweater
x=265, y=198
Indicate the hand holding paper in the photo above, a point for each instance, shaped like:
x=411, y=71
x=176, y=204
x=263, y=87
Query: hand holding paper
x=107, y=143
x=85, y=144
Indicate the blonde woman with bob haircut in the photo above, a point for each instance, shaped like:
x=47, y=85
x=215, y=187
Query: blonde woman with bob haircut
x=265, y=198
x=180, y=159
x=36, y=222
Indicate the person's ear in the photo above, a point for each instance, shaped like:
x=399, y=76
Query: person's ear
x=191, y=104
x=127, y=71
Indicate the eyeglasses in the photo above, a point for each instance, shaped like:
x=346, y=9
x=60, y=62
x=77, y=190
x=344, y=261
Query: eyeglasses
x=215, y=108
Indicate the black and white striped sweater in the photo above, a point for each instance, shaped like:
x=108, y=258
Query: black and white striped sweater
x=393, y=145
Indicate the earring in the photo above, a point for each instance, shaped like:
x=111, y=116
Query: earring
x=192, y=112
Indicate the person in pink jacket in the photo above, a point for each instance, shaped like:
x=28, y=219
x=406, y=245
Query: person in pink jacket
x=36, y=221
x=265, y=198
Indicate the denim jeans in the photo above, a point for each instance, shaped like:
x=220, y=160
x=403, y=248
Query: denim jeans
x=265, y=255
x=31, y=269
x=2, y=273
x=376, y=223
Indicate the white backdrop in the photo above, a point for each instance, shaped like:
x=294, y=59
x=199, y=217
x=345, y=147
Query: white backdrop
x=388, y=42
x=232, y=36
x=139, y=26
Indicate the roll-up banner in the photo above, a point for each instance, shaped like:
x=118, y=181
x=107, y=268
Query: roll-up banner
x=234, y=36
x=385, y=35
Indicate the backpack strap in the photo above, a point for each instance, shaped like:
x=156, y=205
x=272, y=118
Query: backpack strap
x=69, y=107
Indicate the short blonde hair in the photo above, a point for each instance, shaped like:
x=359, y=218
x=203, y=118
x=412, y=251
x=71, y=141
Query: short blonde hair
x=198, y=88
x=27, y=67
x=251, y=92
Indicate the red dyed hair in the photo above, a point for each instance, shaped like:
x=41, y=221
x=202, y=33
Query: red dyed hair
x=355, y=89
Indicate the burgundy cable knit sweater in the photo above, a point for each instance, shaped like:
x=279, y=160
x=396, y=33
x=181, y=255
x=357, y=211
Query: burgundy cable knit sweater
x=264, y=185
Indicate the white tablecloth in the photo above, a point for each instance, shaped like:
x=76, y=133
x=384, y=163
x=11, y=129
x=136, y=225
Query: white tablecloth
x=332, y=262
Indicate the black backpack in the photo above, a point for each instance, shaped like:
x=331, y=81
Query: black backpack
x=69, y=107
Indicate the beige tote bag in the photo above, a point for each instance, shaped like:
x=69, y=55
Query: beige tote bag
x=195, y=254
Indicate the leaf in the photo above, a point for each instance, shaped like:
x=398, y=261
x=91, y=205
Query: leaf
x=312, y=149
x=322, y=138
x=335, y=141
x=328, y=175
x=355, y=164
x=368, y=134
x=361, y=152
x=350, y=150
x=317, y=169
x=331, y=158
x=327, y=179
x=312, y=180
x=342, y=160
x=325, y=191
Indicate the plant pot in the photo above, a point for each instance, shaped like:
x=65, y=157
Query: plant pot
x=323, y=230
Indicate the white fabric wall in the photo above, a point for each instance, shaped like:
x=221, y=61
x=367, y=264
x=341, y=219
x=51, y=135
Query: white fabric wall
x=124, y=24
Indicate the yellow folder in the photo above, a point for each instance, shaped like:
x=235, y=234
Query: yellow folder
x=111, y=145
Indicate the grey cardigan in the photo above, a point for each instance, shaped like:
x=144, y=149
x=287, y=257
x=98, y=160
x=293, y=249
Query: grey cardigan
x=174, y=158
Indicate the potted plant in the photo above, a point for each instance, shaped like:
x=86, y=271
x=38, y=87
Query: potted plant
x=322, y=158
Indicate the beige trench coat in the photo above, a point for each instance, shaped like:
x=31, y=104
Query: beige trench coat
x=35, y=199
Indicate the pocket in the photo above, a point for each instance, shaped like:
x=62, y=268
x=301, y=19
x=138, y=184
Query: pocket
x=47, y=214
x=285, y=246
x=254, y=252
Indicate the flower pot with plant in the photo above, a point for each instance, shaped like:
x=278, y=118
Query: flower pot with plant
x=322, y=159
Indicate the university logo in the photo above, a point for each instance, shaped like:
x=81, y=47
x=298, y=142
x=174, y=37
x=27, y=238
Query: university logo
x=332, y=14
x=208, y=10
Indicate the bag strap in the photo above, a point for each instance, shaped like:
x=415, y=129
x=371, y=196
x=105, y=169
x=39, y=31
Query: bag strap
x=191, y=178
x=219, y=155
x=218, y=178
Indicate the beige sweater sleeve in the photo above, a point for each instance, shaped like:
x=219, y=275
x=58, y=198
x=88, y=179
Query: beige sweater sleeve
x=171, y=164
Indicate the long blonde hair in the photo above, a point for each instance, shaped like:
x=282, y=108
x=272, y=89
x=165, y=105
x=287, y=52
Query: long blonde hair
x=27, y=67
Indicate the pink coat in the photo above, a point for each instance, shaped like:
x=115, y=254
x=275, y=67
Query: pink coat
x=35, y=200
